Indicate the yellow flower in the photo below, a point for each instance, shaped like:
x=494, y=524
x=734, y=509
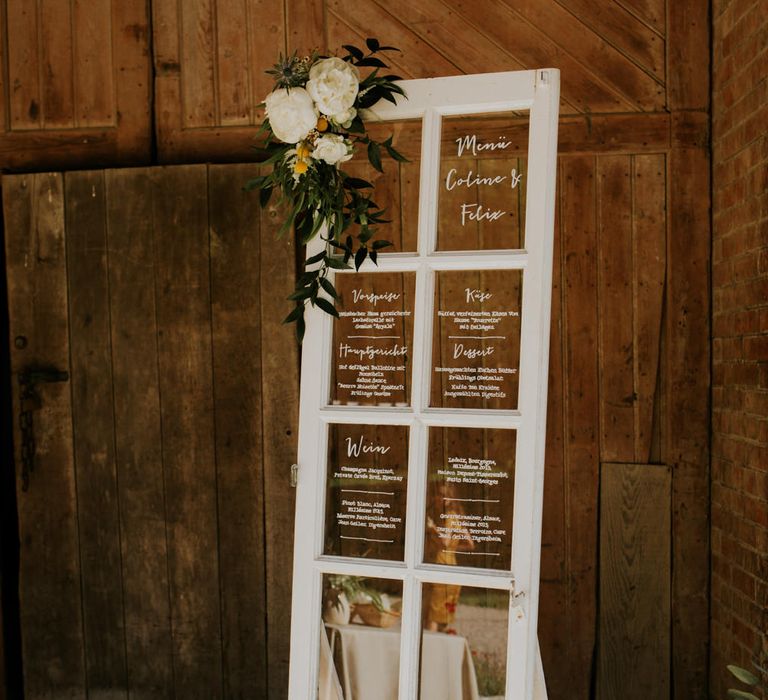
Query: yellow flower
x=302, y=151
x=300, y=167
x=322, y=124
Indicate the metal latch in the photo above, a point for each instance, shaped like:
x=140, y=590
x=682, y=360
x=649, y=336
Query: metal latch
x=294, y=475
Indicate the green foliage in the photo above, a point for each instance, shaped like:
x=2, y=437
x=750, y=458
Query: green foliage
x=749, y=679
x=321, y=199
x=351, y=587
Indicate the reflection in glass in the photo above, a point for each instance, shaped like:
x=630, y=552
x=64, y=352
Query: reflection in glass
x=476, y=339
x=373, y=339
x=470, y=497
x=464, y=642
x=360, y=638
x=365, y=491
x=397, y=188
x=481, y=200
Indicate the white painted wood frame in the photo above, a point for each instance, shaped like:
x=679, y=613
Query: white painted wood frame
x=536, y=91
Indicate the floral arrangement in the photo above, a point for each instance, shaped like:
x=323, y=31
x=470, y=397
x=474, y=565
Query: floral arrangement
x=313, y=126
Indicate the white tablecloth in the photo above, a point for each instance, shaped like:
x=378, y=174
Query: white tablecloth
x=370, y=663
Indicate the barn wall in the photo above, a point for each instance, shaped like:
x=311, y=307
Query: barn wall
x=629, y=374
x=740, y=344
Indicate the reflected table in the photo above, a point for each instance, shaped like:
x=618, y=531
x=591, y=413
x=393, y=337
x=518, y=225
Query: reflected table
x=369, y=664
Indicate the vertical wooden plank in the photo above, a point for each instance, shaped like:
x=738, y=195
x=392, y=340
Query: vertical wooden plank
x=581, y=410
x=649, y=227
x=49, y=575
x=265, y=27
x=132, y=80
x=98, y=508
x=305, y=26
x=93, y=63
x=554, y=637
x=138, y=439
x=686, y=448
x=615, y=274
x=688, y=54
x=635, y=579
x=280, y=408
x=180, y=216
x=236, y=301
x=232, y=63
x=23, y=64
x=56, y=41
x=197, y=53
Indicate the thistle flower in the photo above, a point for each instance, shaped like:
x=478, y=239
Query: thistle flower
x=291, y=71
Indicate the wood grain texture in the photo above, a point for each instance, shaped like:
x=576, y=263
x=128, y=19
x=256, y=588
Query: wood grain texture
x=581, y=405
x=180, y=217
x=138, y=435
x=635, y=582
x=53, y=644
x=280, y=409
x=686, y=434
x=98, y=507
x=235, y=259
x=78, y=84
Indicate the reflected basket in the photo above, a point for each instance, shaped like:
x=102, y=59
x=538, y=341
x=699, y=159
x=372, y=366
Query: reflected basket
x=373, y=617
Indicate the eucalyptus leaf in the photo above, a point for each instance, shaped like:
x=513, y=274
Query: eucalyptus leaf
x=743, y=675
x=327, y=285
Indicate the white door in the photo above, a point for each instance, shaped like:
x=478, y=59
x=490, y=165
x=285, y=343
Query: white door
x=422, y=420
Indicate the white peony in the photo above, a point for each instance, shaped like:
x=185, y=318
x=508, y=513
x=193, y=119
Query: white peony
x=332, y=148
x=333, y=85
x=291, y=113
x=344, y=119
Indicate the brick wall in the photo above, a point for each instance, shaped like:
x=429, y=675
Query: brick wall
x=740, y=337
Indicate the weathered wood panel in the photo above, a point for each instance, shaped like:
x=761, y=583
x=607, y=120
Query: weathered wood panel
x=98, y=507
x=280, y=421
x=235, y=258
x=634, y=660
x=75, y=83
x=53, y=646
x=138, y=433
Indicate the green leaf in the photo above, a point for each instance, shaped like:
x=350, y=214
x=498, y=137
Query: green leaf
x=374, y=256
x=297, y=312
x=353, y=51
x=374, y=155
x=337, y=264
x=316, y=258
x=327, y=285
x=356, y=183
x=395, y=154
x=743, y=675
x=264, y=196
x=360, y=256
x=303, y=293
x=327, y=306
x=372, y=61
x=301, y=328
x=742, y=694
x=378, y=245
x=372, y=44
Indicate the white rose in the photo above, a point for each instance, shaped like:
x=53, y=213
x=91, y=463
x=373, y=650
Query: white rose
x=292, y=114
x=332, y=148
x=333, y=85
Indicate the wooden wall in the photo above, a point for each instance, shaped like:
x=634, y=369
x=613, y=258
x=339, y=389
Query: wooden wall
x=630, y=361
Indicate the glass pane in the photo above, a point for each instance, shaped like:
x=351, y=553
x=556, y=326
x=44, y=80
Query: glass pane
x=476, y=341
x=360, y=638
x=366, y=491
x=464, y=642
x=481, y=202
x=372, y=339
x=470, y=497
x=396, y=190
